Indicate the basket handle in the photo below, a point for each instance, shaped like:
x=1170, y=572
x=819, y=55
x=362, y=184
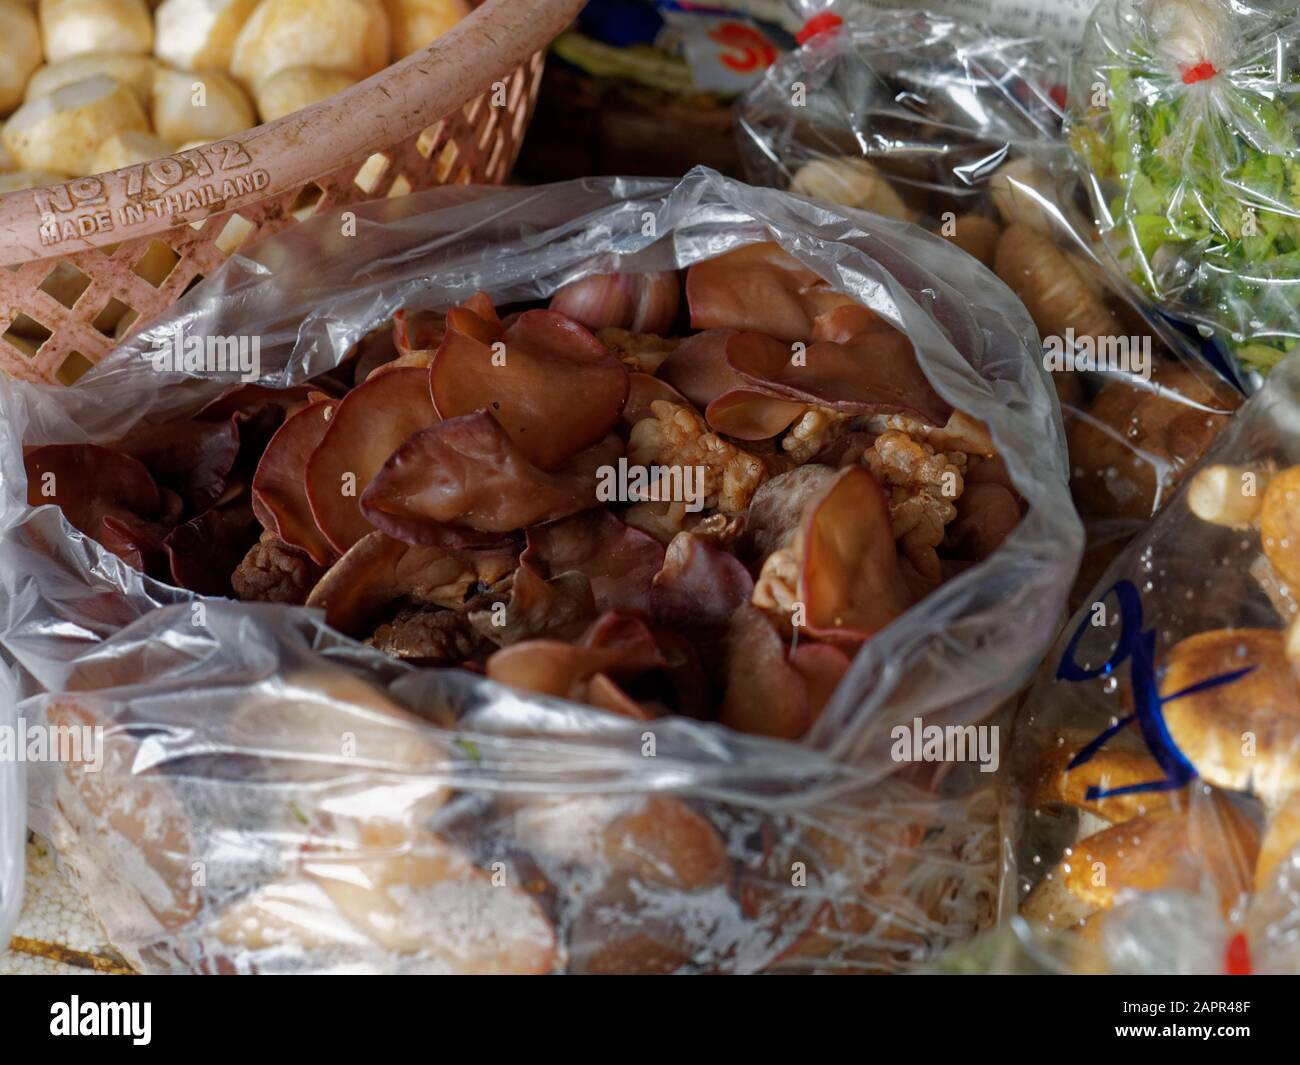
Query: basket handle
x=284, y=155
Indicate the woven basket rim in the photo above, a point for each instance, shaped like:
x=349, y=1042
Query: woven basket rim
x=396, y=103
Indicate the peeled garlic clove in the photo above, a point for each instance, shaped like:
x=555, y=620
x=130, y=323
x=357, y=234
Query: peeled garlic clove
x=136, y=72
x=419, y=22
x=83, y=27
x=298, y=87
x=127, y=149
x=63, y=131
x=348, y=36
x=20, y=53
x=199, y=107
x=200, y=34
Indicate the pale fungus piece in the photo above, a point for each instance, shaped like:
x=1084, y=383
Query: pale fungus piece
x=1227, y=495
x=1022, y=193
x=1243, y=735
x=853, y=183
x=1279, y=525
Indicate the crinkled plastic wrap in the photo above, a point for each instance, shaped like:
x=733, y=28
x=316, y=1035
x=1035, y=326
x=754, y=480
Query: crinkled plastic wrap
x=1157, y=759
x=957, y=127
x=274, y=796
x=1185, y=114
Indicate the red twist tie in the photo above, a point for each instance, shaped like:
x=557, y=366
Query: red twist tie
x=1236, y=961
x=1201, y=72
x=827, y=20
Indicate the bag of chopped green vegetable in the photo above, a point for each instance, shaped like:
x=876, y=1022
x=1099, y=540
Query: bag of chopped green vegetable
x=1185, y=114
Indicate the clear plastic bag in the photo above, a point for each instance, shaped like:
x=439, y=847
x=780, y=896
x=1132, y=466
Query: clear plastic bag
x=1157, y=758
x=1184, y=113
x=957, y=128
x=275, y=796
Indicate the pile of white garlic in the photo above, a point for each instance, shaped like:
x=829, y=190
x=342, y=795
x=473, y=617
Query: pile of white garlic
x=93, y=85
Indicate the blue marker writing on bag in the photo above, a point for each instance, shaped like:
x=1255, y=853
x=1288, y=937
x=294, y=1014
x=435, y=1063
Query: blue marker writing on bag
x=1137, y=647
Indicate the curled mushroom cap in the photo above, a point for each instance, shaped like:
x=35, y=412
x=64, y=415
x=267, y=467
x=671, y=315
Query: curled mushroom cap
x=377, y=570
x=1280, y=843
x=205, y=551
x=1243, y=735
x=698, y=584
x=622, y=647
x=194, y=458
x=1138, y=440
x=758, y=288
x=465, y=476
x=1279, y=525
x=618, y=561
x=874, y=373
x=1109, y=769
x=546, y=380
x=92, y=484
x=849, y=576
x=778, y=507
x=698, y=367
x=771, y=692
x=643, y=391
x=1175, y=848
x=280, y=483
x=364, y=430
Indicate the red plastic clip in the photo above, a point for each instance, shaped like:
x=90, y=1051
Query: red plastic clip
x=1236, y=961
x=1200, y=72
x=827, y=20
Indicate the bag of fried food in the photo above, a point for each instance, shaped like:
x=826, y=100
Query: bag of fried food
x=404, y=657
x=1157, y=764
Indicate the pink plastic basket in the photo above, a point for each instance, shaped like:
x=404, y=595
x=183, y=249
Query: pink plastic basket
x=85, y=263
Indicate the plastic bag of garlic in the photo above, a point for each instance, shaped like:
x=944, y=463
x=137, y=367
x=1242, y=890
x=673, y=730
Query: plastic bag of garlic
x=273, y=795
x=957, y=128
x=1157, y=760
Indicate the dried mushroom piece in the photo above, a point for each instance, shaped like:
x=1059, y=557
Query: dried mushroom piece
x=1177, y=848
x=275, y=572
x=549, y=384
x=1244, y=735
x=379, y=570
x=371, y=421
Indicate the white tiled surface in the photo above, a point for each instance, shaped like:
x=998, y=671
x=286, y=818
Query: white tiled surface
x=55, y=919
